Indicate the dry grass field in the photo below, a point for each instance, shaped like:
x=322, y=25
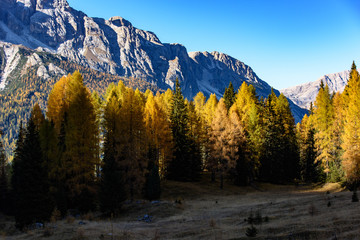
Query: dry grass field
x=203, y=211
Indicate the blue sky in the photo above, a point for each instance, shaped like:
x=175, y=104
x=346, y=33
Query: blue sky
x=286, y=42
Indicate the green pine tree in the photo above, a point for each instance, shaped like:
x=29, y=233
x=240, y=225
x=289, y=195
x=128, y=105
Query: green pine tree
x=229, y=96
x=152, y=185
x=112, y=192
x=280, y=154
x=4, y=188
x=186, y=163
x=31, y=186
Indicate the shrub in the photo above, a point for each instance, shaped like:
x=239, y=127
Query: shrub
x=251, y=231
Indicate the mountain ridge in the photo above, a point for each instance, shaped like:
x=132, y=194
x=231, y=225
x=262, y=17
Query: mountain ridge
x=304, y=94
x=115, y=46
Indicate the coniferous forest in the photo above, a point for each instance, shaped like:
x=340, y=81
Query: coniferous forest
x=87, y=152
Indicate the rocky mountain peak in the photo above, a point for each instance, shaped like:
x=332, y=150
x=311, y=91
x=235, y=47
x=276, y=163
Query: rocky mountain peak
x=119, y=21
x=306, y=93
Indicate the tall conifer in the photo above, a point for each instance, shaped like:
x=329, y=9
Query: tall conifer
x=30, y=181
x=186, y=163
x=4, y=187
x=229, y=96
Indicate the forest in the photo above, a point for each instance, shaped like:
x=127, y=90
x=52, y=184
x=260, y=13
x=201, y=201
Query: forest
x=25, y=88
x=92, y=152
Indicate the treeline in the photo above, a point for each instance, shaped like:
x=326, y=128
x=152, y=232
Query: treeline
x=329, y=137
x=93, y=152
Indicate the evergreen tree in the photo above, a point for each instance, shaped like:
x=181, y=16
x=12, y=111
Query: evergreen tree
x=310, y=170
x=31, y=187
x=152, y=185
x=186, y=163
x=16, y=167
x=112, y=192
x=229, y=96
x=272, y=152
x=4, y=188
x=280, y=156
x=288, y=136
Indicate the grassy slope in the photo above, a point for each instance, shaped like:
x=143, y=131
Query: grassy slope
x=206, y=212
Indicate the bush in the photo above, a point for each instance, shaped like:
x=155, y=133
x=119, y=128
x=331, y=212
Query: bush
x=251, y=231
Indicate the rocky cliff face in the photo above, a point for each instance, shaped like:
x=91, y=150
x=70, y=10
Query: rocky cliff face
x=115, y=46
x=304, y=94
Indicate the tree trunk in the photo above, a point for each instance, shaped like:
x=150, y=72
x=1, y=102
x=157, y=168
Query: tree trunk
x=213, y=176
x=221, y=181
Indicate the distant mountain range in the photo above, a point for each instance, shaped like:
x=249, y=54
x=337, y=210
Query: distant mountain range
x=302, y=95
x=113, y=46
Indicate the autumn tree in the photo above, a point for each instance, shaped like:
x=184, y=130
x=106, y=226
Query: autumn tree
x=239, y=152
x=57, y=102
x=247, y=107
x=351, y=136
x=201, y=126
x=219, y=140
x=158, y=142
x=208, y=115
x=323, y=123
x=339, y=106
x=71, y=109
x=132, y=141
x=227, y=145
x=112, y=191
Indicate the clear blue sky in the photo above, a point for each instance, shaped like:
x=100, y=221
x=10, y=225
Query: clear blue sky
x=286, y=42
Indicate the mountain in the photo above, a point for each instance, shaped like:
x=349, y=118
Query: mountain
x=302, y=95
x=115, y=47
